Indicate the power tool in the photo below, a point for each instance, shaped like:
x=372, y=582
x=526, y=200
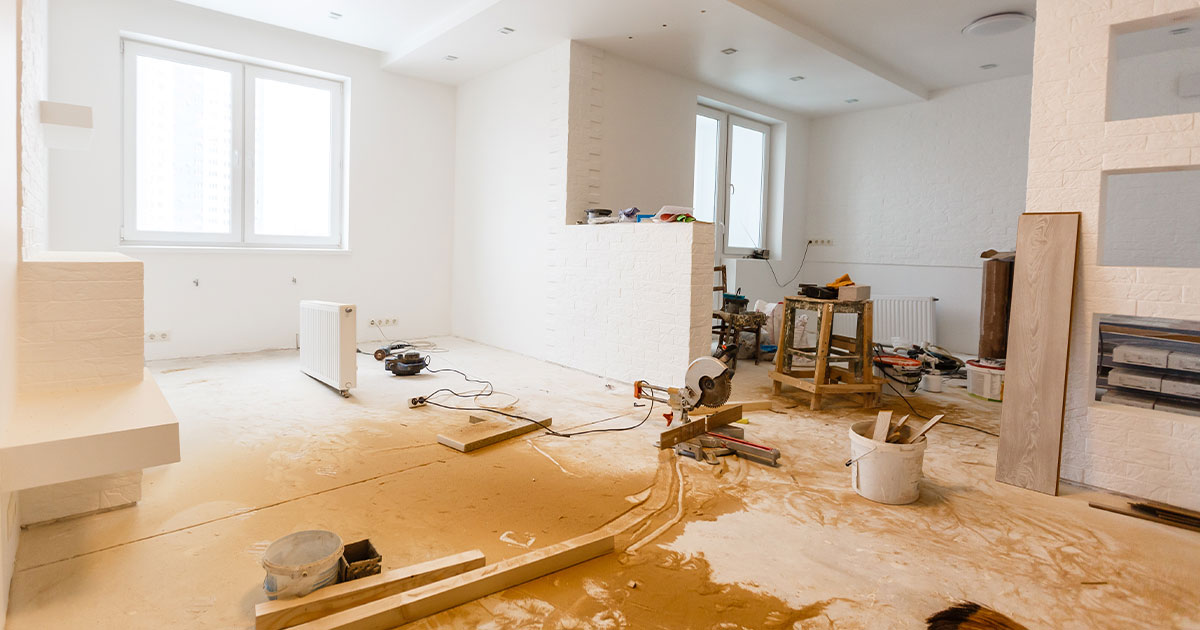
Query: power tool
x=707, y=383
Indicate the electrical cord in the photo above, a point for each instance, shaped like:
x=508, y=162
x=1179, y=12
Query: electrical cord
x=489, y=390
x=789, y=282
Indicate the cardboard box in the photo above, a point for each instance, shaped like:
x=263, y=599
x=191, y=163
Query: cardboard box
x=1145, y=381
x=1141, y=355
x=854, y=293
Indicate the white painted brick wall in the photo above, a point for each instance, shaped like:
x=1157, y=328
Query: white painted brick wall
x=79, y=322
x=1141, y=452
x=626, y=301
x=35, y=158
x=76, y=498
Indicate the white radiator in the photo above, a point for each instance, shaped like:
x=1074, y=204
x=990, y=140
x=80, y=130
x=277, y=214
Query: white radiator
x=910, y=318
x=327, y=344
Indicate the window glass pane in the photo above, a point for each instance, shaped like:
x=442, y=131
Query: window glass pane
x=292, y=159
x=184, y=134
x=746, y=155
x=704, y=193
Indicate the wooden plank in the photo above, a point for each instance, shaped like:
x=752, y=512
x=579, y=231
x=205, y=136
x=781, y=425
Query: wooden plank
x=757, y=405
x=284, y=613
x=685, y=432
x=826, y=320
x=1128, y=511
x=882, y=422
x=925, y=429
x=397, y=610
x=485, y=432
x=1039, y=334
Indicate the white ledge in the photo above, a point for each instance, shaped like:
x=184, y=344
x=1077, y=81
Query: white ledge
x=60, y=436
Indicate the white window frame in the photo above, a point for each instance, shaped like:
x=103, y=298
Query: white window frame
x=242, y=75
x=725, y=121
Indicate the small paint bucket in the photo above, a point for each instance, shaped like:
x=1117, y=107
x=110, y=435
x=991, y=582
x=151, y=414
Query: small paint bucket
x=885, y=472
x=301, y=563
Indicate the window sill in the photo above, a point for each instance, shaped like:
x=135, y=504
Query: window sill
x=227, y=249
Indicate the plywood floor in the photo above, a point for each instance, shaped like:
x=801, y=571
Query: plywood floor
x=268, y=451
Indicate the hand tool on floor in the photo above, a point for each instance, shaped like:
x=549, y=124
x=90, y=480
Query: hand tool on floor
x=707, y=383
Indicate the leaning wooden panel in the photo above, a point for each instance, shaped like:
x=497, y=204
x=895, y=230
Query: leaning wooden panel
x=398, y=610
x=286, y=613
x=1039, y=333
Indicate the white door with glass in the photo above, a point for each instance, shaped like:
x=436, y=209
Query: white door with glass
x=730, y=186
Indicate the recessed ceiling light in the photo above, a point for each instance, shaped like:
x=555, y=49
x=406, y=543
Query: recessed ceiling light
x=1181, y=31
x=988, y=66
x=506, y=31
x=852, y=100
x=729, y=51
x=796, y=78
x=334, y=15
x=997, y=23
x=450, y=58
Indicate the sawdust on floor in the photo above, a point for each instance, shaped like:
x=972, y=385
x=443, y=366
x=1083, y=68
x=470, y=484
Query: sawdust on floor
x=267, y=451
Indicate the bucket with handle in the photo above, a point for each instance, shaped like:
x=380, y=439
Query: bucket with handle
x=301, y=563
x=882, y=471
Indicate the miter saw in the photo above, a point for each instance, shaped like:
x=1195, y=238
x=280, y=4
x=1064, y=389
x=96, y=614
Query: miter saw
x=708, y=383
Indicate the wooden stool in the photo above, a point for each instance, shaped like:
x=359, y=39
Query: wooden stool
x=852, y=377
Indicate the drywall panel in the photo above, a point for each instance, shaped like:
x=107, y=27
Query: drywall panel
x=910, y=195
x=400, y=165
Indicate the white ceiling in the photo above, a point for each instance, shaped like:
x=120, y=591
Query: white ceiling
x=881, y=52
x=923, y=38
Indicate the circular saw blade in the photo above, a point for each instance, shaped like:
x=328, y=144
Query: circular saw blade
x=714, y=392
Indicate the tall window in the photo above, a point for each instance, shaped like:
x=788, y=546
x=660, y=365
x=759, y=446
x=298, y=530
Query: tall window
x=731, y=178
x=221, y=152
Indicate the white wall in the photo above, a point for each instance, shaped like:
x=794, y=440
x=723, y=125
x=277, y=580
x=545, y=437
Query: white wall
x=9, y=256
x=617, y=301
x=401, y=164
x=648, y=157
x=910, y=196
x=34, y=157
x=1148, y=85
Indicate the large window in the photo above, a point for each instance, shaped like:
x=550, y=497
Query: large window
x=731, y=178
x=226, y=153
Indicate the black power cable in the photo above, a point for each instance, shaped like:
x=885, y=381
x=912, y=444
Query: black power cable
x=789, y=282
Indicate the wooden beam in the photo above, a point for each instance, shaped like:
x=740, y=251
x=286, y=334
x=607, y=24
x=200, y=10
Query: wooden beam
x=685, y=432
x=284, y=613
x=758, y=405
x=486, y=432
x=397, y=610
x=1039, y=336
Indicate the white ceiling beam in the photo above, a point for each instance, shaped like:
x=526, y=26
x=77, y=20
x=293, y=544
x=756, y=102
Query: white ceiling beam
x=441, y=27
x=804, y=31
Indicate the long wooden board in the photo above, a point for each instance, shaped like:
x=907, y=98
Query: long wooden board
x=285, y=613
x=758, y=405
x=397, y=610
x=685, y=432
x=486, y=432
x=1129, y=511
x=1039, y=333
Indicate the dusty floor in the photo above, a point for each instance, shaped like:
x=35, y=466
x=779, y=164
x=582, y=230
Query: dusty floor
x=267, y=451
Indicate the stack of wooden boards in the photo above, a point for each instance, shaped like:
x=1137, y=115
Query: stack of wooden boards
x=401, y=596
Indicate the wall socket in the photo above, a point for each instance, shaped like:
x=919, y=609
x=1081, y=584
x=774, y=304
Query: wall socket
x=820, y=241
x=155, y=336
x=383, y=321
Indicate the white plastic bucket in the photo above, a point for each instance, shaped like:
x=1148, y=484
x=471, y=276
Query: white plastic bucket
x=985, y=381
x=884, y=472
x=301, y=563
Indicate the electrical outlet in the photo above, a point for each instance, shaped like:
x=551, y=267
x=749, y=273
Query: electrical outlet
x=372, y=323
x=156, y=336
x=820, y=242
